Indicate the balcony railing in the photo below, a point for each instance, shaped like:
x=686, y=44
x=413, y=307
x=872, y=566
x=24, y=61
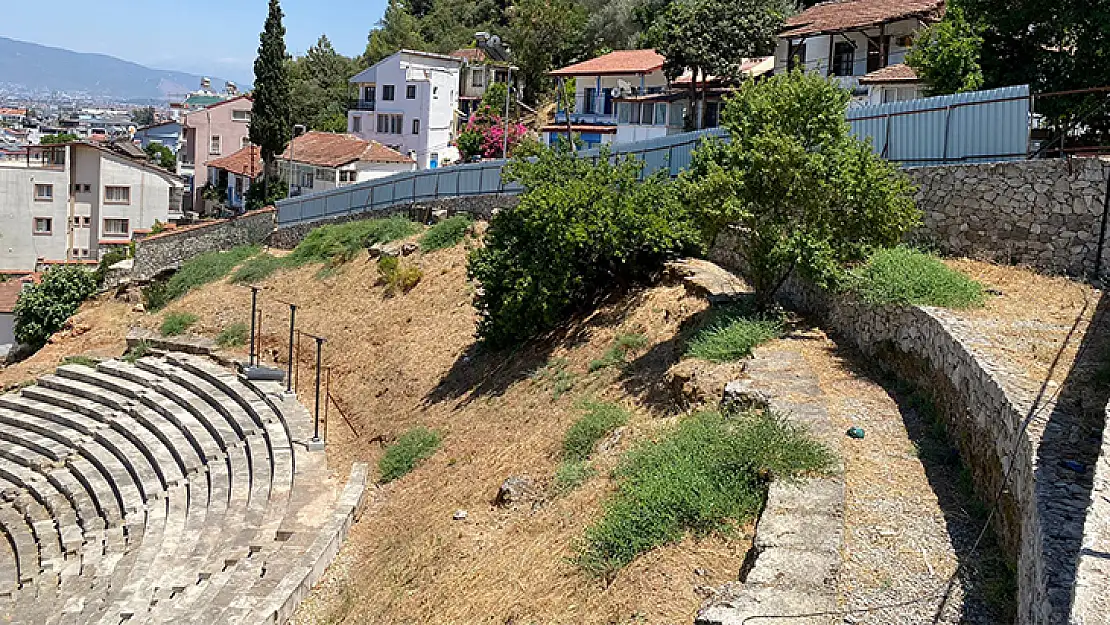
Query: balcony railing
x=362, y=105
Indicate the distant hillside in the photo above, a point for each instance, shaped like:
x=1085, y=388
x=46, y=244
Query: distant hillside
x=42, y=68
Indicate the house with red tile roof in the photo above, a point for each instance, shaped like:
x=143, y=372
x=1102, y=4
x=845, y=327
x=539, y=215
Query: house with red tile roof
x=318, y=161
x=235, y=173
x=853, y=39
x=598, y=83
x=893, y=83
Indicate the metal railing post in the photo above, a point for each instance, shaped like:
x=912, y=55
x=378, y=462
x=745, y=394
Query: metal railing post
x=316, y=443
x=292, y=326
x=254, y=312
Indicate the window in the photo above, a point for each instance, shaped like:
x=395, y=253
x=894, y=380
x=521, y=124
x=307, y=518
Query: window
x=86, y=188
x=214, y=144
x=795, y=56
x=410, y=92
x=356, y=123
x=347, y=176
x=661, y=114
x=44, y=192
x=589, y=97
x=86, y=222
x=368, y=93
x=500, y=76
x=624, y=113
x=44, y=225
x=117, y=195
x=844, y=58
x=390, y=124
x=244, y=142
x=478, y=77
x=324, y=174
x=241, y=115
x=712, y=115
x=635, y=113
x=387, y=92
x=416, y=126
x=116, y=227
x=647, y=113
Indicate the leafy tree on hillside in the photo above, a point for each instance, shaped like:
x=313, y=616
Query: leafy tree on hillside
x=63, y=137
x=320, y=88
x=271, y=126
x=143, y=116
x=581, y=229
x=544, y=34
x=397, y=30
x=166, y=159
x=41, y=309
x=713, y=37
x=804, y=194
x=946, y=55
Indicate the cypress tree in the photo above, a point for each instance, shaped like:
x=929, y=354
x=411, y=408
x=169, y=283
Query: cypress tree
x=270, y=120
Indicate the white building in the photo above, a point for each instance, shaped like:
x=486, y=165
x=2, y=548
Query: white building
x=318, y=161
x=409, y=102
x=69, y=203
x=893, y=83
x=477, y=74
x=598, y=83
x=848, y=39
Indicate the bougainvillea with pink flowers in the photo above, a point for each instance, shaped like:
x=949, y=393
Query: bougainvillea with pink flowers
x=484, y=135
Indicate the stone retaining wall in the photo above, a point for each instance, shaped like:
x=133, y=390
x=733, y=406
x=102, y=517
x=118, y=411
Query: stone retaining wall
x=167, y=250
x=985, y=406
x=478, y=206
x=1045, y=214
x=1091, y=602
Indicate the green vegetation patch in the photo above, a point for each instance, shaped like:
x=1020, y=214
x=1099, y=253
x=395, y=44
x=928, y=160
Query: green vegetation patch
x=177, y=323
x=570, y=475
x=617, y=354
x=85, y=361
x=141, y=349
x=447, y=233
x=732, y=333
x=397, y=275
x=339, y=243
x=233, y=335
x=257, y=269
x=707, y=474
x=599, y=421
x=196, y=272
x=407, y=452
x=556, y=374
x=906, y=276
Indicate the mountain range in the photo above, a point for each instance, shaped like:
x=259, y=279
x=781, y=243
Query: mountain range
x=37, y=68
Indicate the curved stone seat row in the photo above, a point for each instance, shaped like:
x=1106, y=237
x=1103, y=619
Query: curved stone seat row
x=165, y=491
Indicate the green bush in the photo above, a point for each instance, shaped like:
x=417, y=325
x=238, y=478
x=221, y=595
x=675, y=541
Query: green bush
x=905, y=276
x=233, y=335
x=802, y=192
x=43, y=308
x=397, y=275
x=707, y=474
x=446, y=233
x=339, y=243
x=196, y=272
x=570, y=475
x=257, y=269
x=599, y=421
x=732, y=334
x=141, y=349
x=111, y=257
x=582, y=228
x=403, y=455
x=85, y=361
x=177, y=323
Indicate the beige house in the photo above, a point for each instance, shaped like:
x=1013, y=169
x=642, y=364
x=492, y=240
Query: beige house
x=318, y=161
x=69, y=203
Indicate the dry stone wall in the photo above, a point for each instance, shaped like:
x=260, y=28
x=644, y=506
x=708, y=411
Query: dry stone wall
x=162, y=252
x=1046, y=214
x=1046, y=510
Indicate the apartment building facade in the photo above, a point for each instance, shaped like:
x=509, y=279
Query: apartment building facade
x=409, y=102
x=70, y=203
x=221, y=129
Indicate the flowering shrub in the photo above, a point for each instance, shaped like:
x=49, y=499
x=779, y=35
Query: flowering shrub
x=484, y=135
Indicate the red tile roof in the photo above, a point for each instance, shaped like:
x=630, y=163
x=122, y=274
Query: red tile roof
x=615, y=63
x=245, y=162
x=474, y=55
x=12, y=111
x=843, y=15
x=899, y=72
x=329, y=149
x=9, y=294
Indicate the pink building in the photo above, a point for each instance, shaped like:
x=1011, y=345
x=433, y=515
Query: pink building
x=219, y=130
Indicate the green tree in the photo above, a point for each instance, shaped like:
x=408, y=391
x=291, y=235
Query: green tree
x=544, y=34
x=63, y=137
x=143, y=116
x=271, y=126
x=397, y=30
x=41, y=309
x=581, y=229
x=946, y=55
x=319, y=87
x=802, y=193
x=163, y=155
x=713, y=37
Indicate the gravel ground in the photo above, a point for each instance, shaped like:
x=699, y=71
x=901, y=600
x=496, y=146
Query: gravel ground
x=908, y=522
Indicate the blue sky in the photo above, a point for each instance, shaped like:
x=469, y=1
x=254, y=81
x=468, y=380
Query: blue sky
x=214, y=37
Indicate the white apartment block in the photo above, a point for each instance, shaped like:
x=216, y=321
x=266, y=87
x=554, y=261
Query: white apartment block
x=72, y=202
x=409, y=102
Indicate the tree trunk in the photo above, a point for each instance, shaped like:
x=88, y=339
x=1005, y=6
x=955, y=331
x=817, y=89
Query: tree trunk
x=693, y=114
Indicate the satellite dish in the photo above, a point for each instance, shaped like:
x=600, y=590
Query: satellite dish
x=615, y=92
x=624, y=86
x=493, y=41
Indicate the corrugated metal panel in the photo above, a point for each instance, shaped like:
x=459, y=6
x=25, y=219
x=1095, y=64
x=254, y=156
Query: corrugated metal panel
x=976, y=126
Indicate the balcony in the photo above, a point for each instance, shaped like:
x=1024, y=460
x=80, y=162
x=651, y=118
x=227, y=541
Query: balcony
x=362, y=105
x=597, y=110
